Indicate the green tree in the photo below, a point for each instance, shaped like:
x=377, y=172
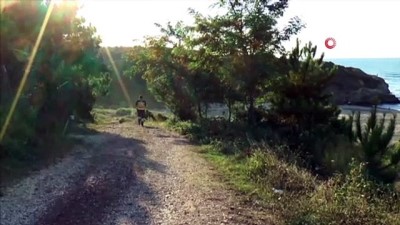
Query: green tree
x=175, y=74
x=243, y=43
x=297, y=99
x=135, y=85
x=66, y=74
x=164, y=68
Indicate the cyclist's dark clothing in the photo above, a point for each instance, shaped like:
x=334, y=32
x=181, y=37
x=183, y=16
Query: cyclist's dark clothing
x=141, y=113
x=141, y=108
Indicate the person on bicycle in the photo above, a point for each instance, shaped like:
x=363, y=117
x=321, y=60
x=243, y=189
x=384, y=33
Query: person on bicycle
x=141, y=109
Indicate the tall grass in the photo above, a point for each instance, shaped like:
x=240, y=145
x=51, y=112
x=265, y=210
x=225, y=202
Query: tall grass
x=295, y=195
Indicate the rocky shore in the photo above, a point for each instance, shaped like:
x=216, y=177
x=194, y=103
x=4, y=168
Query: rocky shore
x=353, y=86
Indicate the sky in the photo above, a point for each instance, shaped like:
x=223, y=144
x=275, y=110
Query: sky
x=361, y=28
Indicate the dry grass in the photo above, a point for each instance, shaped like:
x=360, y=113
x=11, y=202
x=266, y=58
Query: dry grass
x=295, y=196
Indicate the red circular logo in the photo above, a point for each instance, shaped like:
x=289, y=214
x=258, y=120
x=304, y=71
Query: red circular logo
x=330, y=43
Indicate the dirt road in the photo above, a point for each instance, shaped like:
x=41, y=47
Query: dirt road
x=127, y=175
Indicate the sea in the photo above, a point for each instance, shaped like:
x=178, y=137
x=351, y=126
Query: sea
x=386, y=68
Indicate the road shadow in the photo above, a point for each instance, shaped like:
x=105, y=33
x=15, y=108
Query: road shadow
x=163, y=136
x=113, y=174
x=150, y=127
x=182, y=142
x=82, y=129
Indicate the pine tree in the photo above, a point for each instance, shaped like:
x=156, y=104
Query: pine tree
x=383, y=160
x=298, y=99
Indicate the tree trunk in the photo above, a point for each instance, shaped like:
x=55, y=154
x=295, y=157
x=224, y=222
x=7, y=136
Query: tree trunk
x=251, y=118
x=206, y=111
x=229, y=110
x=5, y=87
x=199, y=110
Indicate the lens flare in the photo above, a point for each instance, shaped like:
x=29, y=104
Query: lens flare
x=118, y=75
x=26, y=71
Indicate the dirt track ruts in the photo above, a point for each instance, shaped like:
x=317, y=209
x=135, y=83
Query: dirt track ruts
x=135, y=175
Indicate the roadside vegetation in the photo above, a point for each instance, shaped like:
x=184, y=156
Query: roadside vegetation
x=290, y=190
x=304, y=162
x=66, y=76
x=309, y=165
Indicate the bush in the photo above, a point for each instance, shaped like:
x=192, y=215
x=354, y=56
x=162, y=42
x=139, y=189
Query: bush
x=351, y=199
x=267, y=170
x=338, y=155
x=123, y=112
x=160, y=117
x=192, y=130
x=20, y=132
x=383, y=160
x=294, y=194
x=297, y=197
x=150, y=115
x=209, y=129
x=231, y=147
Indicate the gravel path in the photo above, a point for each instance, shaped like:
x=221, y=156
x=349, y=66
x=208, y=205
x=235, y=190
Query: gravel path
x=127, y=175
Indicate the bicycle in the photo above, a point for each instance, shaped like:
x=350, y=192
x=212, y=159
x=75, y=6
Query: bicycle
x=142, y=116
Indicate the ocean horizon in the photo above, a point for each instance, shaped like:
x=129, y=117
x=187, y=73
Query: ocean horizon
x=386, y=68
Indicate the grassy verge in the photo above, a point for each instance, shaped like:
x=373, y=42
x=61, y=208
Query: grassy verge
x=106, y=116
x=293, y=194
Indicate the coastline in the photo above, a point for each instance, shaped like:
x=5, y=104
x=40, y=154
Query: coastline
x=218, y=109
x=347, y=109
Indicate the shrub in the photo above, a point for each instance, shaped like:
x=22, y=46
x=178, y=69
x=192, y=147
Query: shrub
x=20, y=132
x=150, y=115
x=266, y=169
x=382, y=159
x=351, y=199
x=123, y=112
x=160, y=117
x=192, y=130
x=337, y=156
x=295, y=196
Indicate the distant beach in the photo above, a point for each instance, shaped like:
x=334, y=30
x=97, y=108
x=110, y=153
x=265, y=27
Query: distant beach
x=347, y=109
